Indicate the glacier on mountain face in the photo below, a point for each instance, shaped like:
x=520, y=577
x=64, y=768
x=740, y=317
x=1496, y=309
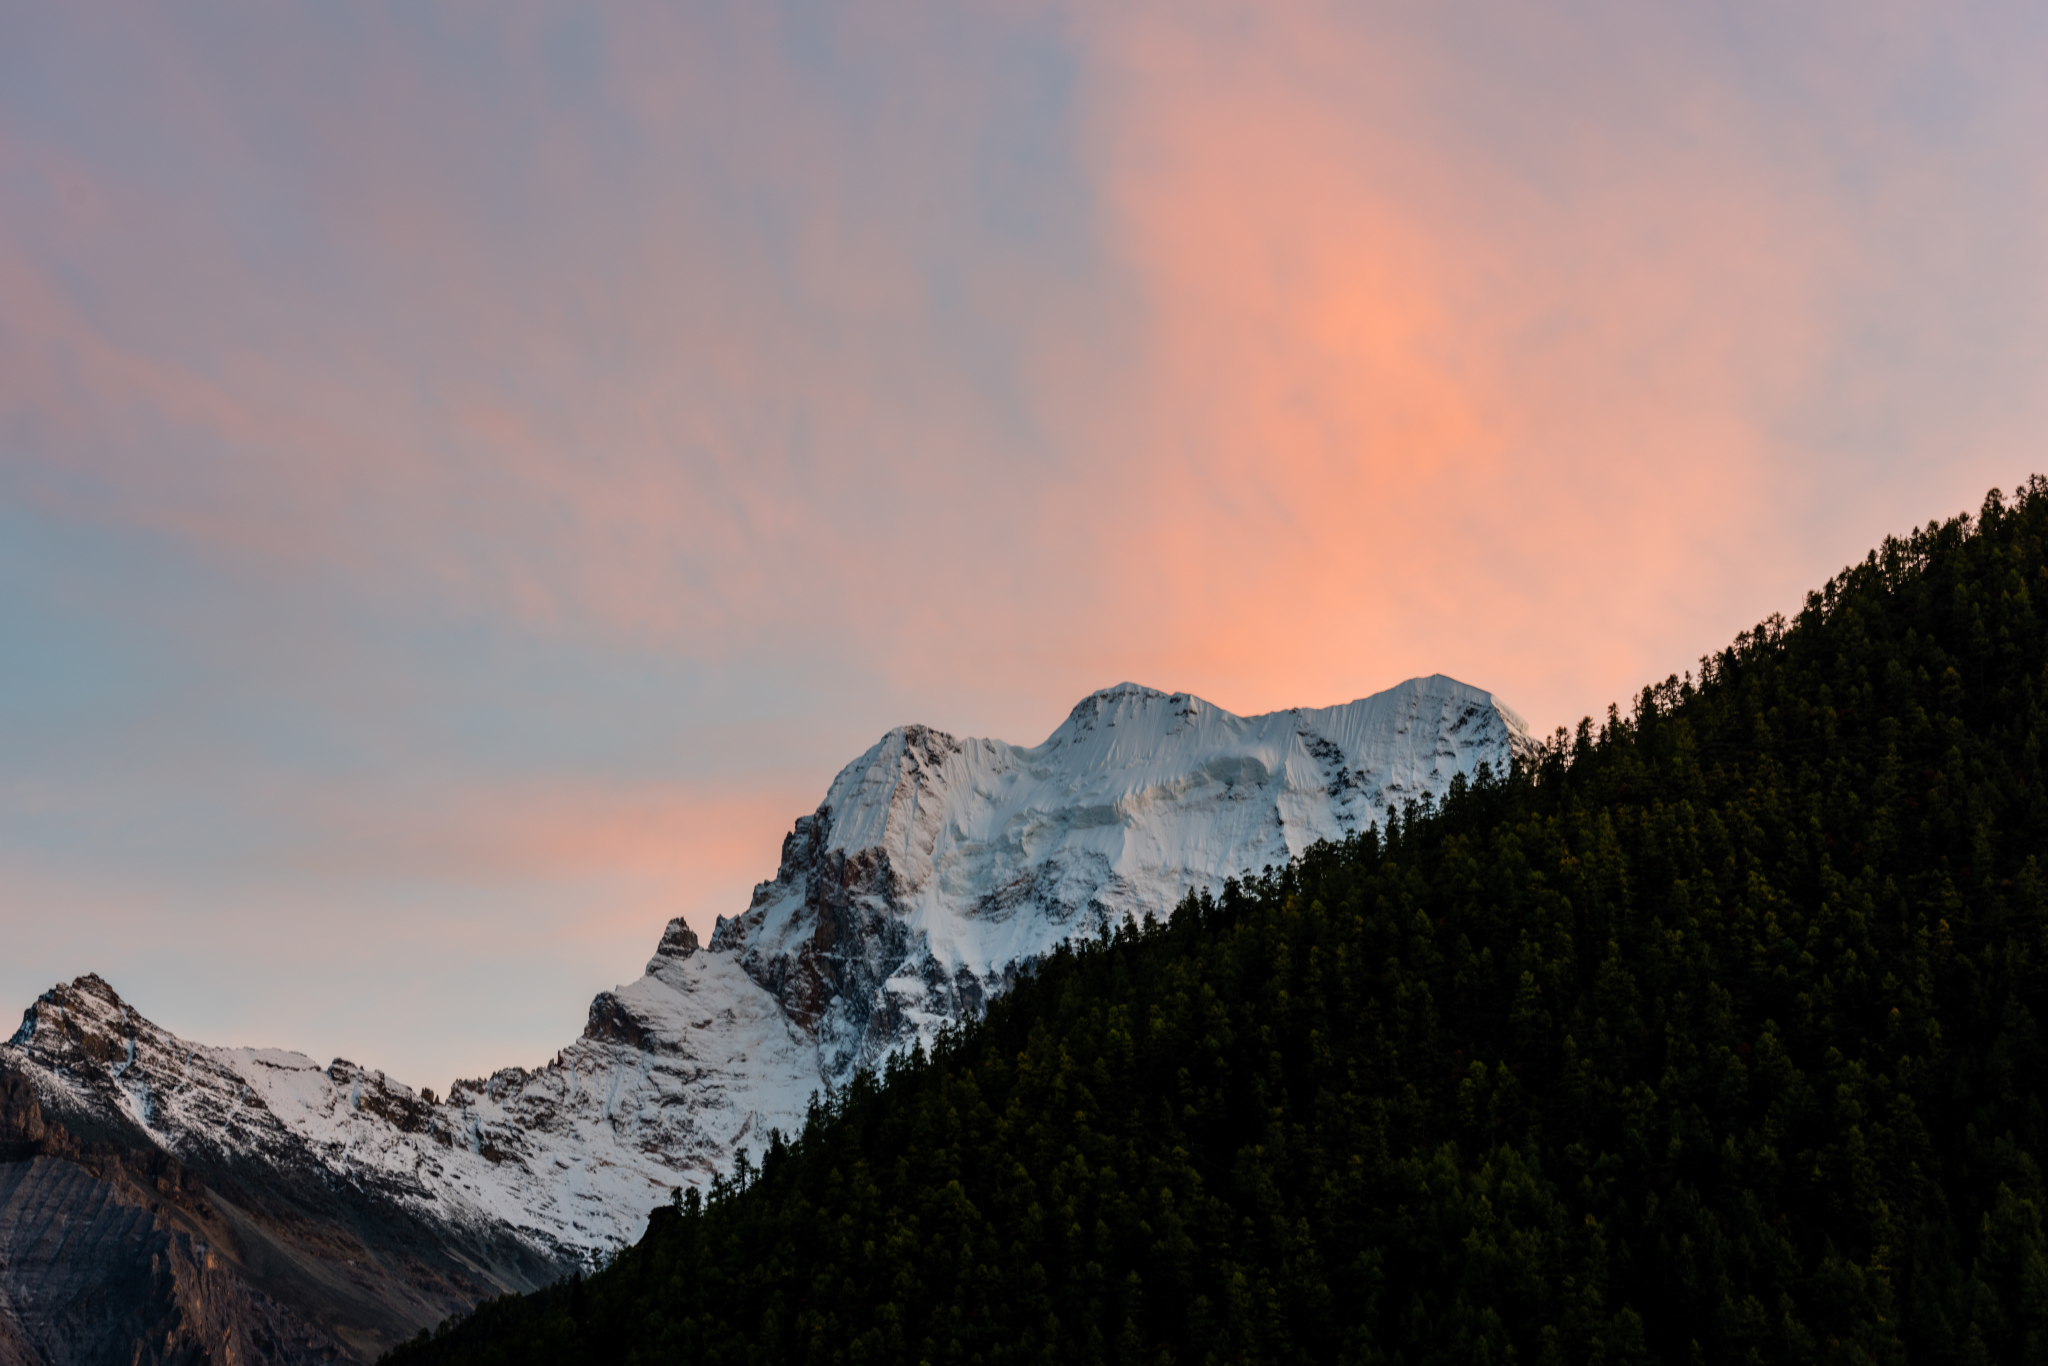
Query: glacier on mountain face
x=934, y=871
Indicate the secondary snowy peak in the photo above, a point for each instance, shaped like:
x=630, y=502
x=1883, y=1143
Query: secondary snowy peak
x=673, y=1073
x=936, y=867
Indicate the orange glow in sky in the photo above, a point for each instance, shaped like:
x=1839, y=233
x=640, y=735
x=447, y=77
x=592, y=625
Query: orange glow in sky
x=469, y=479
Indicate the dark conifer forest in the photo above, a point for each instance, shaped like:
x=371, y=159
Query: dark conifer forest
x=1712, y=1035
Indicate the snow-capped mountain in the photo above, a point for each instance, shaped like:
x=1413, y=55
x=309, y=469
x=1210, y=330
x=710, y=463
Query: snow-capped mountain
x=936, y=867
x=933, y=872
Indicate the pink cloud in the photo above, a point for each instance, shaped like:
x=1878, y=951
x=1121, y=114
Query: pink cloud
x=1368, y=367
x=1272, y=352
x=1434, y=379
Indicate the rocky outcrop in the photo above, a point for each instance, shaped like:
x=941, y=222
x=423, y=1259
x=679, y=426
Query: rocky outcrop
x=117, y=1256
x=95, y=1269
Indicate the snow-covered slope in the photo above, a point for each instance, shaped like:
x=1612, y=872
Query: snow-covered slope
x=673, y=1073
x=935, y=869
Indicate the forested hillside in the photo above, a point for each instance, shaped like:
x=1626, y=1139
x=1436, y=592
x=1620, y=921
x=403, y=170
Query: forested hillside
x=1716, y=1036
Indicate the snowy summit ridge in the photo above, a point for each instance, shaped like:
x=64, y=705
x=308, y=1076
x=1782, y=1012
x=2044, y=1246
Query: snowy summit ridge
x=935, y=867
x=934, y=870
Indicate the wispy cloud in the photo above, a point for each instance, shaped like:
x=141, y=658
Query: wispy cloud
x=443, y=454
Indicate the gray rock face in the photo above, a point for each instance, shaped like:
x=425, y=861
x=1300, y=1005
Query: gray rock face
x=92, y=1271
x=115, y=1248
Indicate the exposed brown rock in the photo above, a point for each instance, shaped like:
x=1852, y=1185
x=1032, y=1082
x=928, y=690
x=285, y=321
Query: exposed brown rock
x=114, y=1251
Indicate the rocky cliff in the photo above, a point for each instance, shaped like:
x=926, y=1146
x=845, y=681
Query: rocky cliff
x=125, y=1242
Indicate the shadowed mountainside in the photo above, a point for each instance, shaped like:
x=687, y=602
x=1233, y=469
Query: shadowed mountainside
x=113, y=1250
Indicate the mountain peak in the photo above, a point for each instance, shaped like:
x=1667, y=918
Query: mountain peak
x=934, y=872
x=937, y=868
x=1122, y=705
x=678, y=940
x=1123, y=696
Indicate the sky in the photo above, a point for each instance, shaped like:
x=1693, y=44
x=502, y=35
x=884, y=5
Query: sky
x=471, y=473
